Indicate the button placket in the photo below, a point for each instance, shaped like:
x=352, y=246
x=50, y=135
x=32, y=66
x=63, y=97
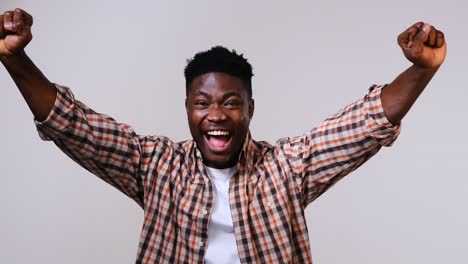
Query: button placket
x=298, y=181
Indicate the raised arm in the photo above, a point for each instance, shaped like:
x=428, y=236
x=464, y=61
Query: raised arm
x=349, y=138
x=106, y=148
x=15, y=34
x=425, y=47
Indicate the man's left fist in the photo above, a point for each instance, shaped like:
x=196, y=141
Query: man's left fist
x=423, y=45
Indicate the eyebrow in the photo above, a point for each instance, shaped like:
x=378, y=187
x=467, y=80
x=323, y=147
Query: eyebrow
x=225, y=96
x=198, y=93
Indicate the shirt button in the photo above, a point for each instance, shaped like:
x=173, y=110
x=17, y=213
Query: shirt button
x=269, y=204
x=200, y=244
x=205, y=212
x=299, y=181
x=207, y=180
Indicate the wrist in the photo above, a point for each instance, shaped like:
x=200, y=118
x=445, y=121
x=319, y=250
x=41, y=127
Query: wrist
x=425, y=69
x=15, y=59
x=21, y=55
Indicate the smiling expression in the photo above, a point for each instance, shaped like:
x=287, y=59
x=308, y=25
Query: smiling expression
x=219, y=112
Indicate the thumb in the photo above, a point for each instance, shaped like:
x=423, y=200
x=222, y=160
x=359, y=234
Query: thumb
x=422, y=36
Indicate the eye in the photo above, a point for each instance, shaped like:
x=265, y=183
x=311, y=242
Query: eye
x=232, y=103
x=200, y=103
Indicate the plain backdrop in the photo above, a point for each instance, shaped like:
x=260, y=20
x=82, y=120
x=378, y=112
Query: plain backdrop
x=310, y=58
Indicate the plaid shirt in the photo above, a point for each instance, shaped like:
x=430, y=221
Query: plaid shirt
x=267, y=196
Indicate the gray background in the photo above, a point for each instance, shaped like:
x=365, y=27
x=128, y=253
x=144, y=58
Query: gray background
x=310, y=58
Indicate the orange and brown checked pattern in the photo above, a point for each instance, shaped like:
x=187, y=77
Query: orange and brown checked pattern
x=268, y=195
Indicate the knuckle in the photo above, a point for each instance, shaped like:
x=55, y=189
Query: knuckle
x=399, y=38
x=418, y=25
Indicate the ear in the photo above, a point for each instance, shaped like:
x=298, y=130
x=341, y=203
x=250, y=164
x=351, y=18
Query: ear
x=251, y=108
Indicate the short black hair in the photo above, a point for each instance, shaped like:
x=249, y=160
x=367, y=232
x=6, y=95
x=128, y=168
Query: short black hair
x=219, y=59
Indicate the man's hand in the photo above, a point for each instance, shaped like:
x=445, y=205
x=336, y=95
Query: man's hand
x=15, y=32
x=423, y=45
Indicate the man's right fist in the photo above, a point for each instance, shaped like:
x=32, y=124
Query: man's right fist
x=15, y=31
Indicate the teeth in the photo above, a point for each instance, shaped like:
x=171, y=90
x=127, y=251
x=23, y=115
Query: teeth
x=218, y=133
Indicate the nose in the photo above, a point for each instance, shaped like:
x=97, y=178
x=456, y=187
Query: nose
x=216, y=114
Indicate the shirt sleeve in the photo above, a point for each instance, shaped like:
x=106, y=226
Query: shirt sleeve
x=342, y=143
x=97, y=142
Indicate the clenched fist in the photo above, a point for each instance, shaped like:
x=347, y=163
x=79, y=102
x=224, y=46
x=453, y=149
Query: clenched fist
x=15, y=31
x=423, y=45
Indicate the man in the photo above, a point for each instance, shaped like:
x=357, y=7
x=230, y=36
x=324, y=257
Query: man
x=221, y=197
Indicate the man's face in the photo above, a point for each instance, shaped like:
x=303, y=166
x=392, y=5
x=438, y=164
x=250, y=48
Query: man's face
x=219, y=113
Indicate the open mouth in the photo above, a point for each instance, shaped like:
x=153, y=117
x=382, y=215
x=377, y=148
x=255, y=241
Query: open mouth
x=218, y=140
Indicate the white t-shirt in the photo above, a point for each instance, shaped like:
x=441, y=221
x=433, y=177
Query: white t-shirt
x=222, y=246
